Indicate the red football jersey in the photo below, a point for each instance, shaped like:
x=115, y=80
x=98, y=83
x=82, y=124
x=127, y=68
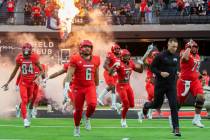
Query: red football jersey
x=27, y=67
x=149, y=72
x=84, y=74
x=189, y=70
x=124, y=71
x=112, y=58
x=37, y=70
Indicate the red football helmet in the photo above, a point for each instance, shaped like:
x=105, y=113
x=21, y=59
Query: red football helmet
x=125, y=55
x=85, y=43
x=115, y=49
x=154, y=53
x=27, y=49
x=192, y=44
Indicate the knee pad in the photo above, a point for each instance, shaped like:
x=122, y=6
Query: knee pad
x=199, y=102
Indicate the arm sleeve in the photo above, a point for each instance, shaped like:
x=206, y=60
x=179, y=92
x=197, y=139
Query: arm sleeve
x=133, y=66
x=73, y=61
x=66, y=66
x=154, y=66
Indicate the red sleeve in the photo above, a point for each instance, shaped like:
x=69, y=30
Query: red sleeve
x=18, y=58
x=73, y=61
x=109, y=55
x=132, y=64
x=66, y=66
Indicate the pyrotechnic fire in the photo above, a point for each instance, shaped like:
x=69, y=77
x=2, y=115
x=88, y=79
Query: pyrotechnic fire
x=66, y=14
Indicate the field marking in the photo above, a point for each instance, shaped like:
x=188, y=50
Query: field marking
x=100, y=127
x=10, y=139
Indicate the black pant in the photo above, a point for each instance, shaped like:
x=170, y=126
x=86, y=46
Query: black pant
x=170, y=91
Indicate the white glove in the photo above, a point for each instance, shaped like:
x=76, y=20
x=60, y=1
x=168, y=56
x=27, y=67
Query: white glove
x=140, y=61
x=17, y=89
x=150, y=48
x=66, y=89
x=44, y=82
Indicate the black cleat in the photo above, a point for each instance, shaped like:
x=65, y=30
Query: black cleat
x=176, y=132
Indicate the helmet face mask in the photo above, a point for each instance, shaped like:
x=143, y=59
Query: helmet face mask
x=125, y=55
x=86, y=47
x=26, y=50
x=193, y=45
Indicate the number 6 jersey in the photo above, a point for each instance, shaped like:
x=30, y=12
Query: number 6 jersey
x=84, y=74
x=190, y=69
x=27, y=67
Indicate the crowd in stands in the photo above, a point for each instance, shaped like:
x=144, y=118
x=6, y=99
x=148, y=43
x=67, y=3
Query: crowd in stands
x=39, y=12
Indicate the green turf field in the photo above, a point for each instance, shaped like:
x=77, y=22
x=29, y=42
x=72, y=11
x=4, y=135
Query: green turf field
x=102, y=129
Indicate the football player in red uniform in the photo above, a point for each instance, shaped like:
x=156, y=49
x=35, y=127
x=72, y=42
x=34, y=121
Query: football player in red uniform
x=111, y=80
x=124, y=70
x=38, y=93
x=189, y=79
x=26, y=61
x=84, y=67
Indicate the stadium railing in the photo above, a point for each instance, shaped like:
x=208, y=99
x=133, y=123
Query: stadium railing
x=166, y=18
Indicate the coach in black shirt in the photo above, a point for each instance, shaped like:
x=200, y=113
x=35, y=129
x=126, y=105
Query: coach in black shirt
x=165, y=67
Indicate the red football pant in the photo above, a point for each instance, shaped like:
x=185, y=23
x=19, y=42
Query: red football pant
x=71, y=95
x=110, y=80
x=195, y=89
x=82, y=94
x=150, y=91
x=127, y=97
x=26, y=93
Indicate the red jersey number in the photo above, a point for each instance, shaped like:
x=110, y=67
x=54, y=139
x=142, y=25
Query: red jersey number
x=196, y=66
x=127, y=74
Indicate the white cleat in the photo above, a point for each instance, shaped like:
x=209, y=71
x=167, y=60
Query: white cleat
x=118, y=108
x=170, y=121
x=140, y=117
x=123, y=123
x=77, y=132
x=26, y=123
x=87, y=124
x=100, y=102
x=197, y=122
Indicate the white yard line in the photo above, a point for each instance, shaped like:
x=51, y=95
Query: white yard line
x=98, y=127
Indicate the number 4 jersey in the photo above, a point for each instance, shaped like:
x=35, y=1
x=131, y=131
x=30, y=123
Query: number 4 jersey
x=27, y=67
x=84, y=74
x=190, y=69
